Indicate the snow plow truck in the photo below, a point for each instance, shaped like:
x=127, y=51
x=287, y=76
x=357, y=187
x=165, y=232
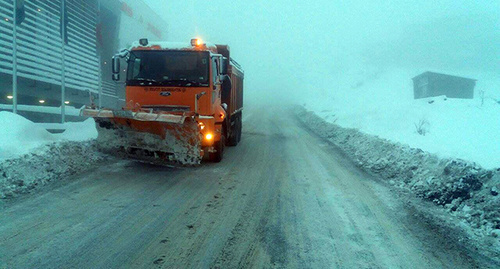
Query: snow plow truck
x=184, y=103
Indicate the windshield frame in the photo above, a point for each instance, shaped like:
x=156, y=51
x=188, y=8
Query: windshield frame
x=166, y=82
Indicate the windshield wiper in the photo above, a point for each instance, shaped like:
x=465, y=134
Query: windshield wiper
x=144, y=80
x=182, y=82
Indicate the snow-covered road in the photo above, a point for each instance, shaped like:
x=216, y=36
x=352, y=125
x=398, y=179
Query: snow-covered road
x=283, y=198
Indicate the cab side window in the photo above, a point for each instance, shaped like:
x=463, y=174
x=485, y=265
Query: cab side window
x=215, y=69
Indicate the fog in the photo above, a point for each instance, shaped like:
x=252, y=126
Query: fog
x=295, y=49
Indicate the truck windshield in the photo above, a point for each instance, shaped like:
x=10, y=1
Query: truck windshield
x=168, y=68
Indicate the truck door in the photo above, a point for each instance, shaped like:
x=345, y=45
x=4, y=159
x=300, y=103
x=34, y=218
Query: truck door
x=216, y=90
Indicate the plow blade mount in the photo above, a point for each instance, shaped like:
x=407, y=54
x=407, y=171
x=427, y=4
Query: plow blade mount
x=156, y=138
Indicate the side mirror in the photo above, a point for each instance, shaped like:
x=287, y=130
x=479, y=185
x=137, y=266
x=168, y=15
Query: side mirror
x=116, y=65
x=116, y=68
x=225, y=64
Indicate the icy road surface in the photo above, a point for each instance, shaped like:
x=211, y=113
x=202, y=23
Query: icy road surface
x=283, y=198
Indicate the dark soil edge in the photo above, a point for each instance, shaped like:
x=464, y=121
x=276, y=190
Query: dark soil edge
x=481, y=247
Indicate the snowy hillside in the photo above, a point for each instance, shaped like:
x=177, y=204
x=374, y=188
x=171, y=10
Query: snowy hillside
x=384, y=106
x=20, y=136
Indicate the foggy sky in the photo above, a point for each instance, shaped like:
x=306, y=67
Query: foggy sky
x=291, y=48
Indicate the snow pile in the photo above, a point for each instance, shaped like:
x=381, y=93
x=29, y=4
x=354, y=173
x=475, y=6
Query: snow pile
x=463, y=188
x=50, y=162
x=20, y=136
x=383, y=105
x=79, y=131
x=30, y=156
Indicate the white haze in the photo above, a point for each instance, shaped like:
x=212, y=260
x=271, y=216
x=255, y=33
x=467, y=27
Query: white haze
x=291, y=50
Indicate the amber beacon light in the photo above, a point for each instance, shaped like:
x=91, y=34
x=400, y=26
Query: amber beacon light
x=196, y=42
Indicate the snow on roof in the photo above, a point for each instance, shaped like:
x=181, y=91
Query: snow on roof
x=173, y=45
x=442, y=75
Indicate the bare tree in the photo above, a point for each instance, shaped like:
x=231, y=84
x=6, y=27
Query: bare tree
x=422, y=127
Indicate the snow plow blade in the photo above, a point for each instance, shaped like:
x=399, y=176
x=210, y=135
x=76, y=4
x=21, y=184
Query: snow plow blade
x=159, y=138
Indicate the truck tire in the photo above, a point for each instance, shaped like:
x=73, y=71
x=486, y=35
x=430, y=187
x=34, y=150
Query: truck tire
x=233, y=139
x=217, y=156
x=240, y=129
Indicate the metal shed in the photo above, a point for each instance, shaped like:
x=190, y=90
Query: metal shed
x=431, y=84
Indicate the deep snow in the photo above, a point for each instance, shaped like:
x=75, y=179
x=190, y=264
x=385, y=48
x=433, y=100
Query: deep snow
x=50, y=162
x=464, y=191
x=383, y=105
x=19, y=135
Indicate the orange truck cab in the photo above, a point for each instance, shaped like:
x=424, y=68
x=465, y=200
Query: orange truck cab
x=196, y=78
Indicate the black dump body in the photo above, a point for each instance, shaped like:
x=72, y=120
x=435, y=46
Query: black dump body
x=234, y=98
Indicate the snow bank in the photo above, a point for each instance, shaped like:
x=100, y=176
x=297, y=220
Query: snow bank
x=465, y=190
x=30, y=156
x=48, y=163
x=20, y=136
x=79, y=131
x=383, y=105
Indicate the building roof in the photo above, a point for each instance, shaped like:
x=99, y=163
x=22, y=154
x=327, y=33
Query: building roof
x=428, y=73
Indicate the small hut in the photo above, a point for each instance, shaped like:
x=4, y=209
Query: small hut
x=431, y=84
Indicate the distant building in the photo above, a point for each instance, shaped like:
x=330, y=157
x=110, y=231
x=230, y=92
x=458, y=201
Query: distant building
x=431, y=84
x=55, y=49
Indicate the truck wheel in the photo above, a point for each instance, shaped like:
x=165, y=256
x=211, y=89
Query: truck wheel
x=233, y=139
x=219, y=147
x=240, y=127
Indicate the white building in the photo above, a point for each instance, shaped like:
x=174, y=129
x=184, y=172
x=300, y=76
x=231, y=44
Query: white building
x=41, y=76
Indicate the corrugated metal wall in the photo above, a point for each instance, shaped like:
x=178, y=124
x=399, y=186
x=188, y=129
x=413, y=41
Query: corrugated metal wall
x=81, y=53
x=6, y=23
x=39, y=50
